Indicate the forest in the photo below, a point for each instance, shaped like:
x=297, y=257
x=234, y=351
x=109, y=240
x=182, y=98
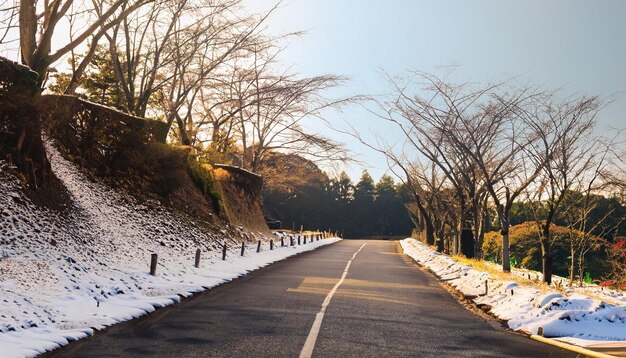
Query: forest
x=514, y=173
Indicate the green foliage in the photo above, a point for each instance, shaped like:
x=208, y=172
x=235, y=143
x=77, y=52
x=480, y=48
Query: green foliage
x=341, y=189
x=212, y=155
x=364, y=189
x=605, y=216
x=202, y=176
x=98, y=84
x=524, y=245
x=521, y=212
x=588, y=278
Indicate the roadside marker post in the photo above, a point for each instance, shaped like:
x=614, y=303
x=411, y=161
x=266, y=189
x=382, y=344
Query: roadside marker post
x=197, y=261
x=224, y=252
x=153, y=264
x=271, y=244
x=258, y=246
x=243, y=248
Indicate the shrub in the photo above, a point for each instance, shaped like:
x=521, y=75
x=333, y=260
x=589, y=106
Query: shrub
x=524, y=245
x=201, y=174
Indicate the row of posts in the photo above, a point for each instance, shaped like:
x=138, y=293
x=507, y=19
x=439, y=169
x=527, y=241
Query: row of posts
x=301, y=239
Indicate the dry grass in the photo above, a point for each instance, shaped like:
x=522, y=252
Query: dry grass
x=495, y=272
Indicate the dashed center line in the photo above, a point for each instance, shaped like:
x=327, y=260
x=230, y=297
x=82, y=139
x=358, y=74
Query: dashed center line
x=309, y=345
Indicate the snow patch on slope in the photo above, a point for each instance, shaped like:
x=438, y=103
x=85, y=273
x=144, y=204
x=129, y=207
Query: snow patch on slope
x=63, y=276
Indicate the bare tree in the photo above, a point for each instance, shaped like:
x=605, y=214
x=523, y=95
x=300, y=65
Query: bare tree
x=476, y=136
x=426, y=122
x=198, y=54
x=281, y=103
x=597, y=178
x=9, y=12
x=37, y=23
x=441, y=201
x=565, y=150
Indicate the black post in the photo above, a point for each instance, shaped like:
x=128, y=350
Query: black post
x=271, y=244
x=258, y=246
x=298, y=239
x=197, y=263
x=153, y=263
x=243, y=248
x=282, y=241
x=291, y=242
x=224, y=252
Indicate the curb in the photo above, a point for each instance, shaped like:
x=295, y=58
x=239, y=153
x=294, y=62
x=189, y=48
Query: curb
x=570, y=347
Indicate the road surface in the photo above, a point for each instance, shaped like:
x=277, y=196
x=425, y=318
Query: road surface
x=377, y=304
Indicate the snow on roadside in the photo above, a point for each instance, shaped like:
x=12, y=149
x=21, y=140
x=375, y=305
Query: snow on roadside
x=62, y=276
x=576, y=318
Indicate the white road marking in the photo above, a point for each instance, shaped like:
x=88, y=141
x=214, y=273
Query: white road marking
x=307, y=350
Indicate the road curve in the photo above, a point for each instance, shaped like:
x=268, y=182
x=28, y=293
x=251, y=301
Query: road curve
x=385, y=306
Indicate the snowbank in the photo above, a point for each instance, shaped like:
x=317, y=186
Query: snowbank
x=62, y=276
x=573, y=316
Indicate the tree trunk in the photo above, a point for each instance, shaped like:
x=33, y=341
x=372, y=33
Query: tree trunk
x=440, y=244
x=581, y=267
x=546, y=262
x=182, y=131
x=572, y=267
x=20, y=141
x=477, y=232
x=506, y=263
x=429, y=228
x=78, y=72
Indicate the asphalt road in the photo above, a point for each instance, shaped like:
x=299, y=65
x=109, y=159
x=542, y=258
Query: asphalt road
x=385, y=307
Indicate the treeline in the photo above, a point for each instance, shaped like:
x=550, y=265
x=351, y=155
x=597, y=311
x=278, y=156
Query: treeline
x=471, y=153
x=299, y=194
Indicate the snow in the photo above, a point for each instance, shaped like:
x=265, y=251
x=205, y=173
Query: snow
x=65, y=275
x=572, y=316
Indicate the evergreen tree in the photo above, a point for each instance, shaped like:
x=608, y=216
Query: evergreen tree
x=363, y=220
x=364, y=190
x=392, y=216
x=99, y=83
x=342, y=189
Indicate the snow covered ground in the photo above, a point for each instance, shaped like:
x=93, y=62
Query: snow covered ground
x=571, y=315
x=63, y=276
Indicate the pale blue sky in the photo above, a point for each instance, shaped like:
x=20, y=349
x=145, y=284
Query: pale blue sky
x=578, y=46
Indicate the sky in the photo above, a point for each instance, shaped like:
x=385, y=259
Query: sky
x=577, y=47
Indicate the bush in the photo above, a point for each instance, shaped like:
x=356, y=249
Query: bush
x=201, y=174
x=524, y=246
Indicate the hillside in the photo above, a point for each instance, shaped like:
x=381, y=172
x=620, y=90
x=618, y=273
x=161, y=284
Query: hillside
x=64, y=274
